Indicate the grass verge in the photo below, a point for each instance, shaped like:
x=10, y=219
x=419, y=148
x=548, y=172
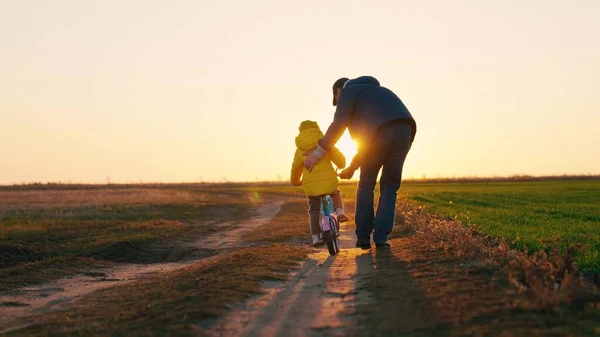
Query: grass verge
x=461, y=282
x=290, y=225
x=46, y=235
x=171, y=304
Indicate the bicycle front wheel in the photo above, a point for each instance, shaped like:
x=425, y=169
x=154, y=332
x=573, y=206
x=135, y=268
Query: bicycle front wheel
x=330, y=242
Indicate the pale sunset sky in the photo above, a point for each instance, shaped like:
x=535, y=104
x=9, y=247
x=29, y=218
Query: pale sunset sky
x=183, y=91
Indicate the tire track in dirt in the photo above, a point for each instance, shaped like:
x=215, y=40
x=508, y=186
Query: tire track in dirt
x=316, y=301
x=55, y=295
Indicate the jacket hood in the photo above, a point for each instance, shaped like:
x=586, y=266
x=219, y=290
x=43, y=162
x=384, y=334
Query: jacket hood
x=364, y=80
x=308, y=138
x=308, y=125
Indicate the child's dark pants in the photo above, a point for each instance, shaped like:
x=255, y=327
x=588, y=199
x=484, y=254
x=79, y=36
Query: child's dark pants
x=314, y=209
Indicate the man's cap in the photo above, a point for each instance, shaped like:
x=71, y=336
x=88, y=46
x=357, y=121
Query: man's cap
x=339, y=84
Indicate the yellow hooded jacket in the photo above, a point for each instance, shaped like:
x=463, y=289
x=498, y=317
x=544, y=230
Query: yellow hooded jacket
x=323, y=178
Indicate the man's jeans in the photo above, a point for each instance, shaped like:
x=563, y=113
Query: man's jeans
x=388, y=150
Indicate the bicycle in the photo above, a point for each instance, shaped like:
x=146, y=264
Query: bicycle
x=330, y=226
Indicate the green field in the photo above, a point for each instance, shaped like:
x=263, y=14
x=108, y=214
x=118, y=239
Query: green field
x=525, y=213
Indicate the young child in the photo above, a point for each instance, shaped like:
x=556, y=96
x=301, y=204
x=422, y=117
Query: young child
x=321, y=180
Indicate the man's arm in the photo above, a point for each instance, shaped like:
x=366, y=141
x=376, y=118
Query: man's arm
x=341, y=120
x=337, y=157
x=357, y=160
x=356, y=163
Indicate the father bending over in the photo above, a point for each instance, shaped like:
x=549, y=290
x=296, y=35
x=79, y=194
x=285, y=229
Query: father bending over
x=384, y=130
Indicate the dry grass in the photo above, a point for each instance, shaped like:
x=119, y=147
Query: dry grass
x=167, y=304
x=64, y=202
x=549, y=279
x=441, y=278
x=96, y=197
x=419, y=289
x=48, y=234
x=290, y=225
x=171, y=304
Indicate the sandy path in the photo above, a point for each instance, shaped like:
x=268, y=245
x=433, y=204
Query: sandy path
x=51, y=296
x=316, y=301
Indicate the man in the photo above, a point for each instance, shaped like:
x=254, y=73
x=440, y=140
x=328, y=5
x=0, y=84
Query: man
x=384, y=130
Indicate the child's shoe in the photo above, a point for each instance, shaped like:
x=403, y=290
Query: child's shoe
x=341, y=216
x=317, y=241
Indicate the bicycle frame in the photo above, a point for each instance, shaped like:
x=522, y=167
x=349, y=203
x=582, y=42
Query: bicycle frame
x=329, y=226
x=328, y=221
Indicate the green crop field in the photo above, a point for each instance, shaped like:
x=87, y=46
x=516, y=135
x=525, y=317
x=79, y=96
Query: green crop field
x=525, y=213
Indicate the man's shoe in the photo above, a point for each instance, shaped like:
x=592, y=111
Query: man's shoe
x=383, y=245
x=342, y=217
x=363, y=244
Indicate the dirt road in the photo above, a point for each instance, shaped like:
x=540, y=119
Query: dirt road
x=316, y=301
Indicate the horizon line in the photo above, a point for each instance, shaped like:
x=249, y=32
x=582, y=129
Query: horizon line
x=508, y=178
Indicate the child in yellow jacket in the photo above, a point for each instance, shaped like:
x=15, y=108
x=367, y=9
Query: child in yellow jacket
x=321, y=180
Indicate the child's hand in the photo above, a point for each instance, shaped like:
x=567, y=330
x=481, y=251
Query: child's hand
x=347, y=173
x=298, y=183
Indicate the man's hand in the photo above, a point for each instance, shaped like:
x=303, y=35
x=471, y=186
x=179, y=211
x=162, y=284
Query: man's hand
x=310, y=161
x=313, y=158
x=347, y=173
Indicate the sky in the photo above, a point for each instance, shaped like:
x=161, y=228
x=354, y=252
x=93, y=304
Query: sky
x=186, y=91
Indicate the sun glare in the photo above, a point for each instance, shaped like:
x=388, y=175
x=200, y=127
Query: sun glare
x=347, y=146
